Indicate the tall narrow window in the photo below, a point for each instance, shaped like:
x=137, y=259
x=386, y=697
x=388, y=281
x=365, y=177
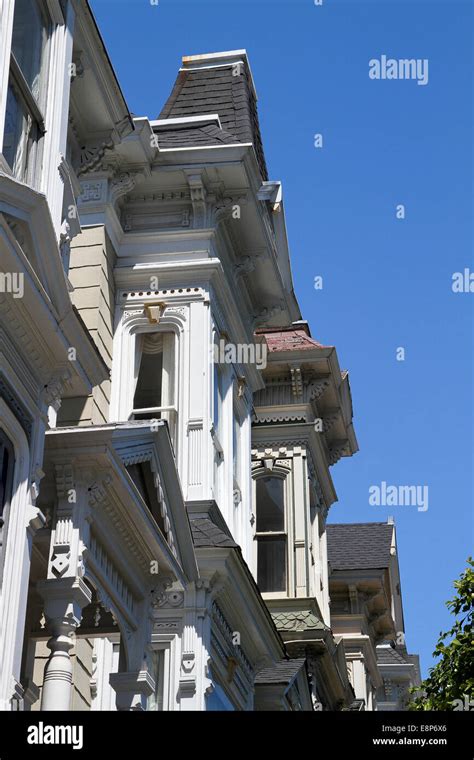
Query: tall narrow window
x=154, y=388
x=150, y=376
x=271, y=535
x=24, y=121
x=155, y=700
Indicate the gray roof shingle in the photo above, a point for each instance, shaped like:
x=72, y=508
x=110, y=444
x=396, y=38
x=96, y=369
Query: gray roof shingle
x=358, y=546
x=208, y=134
x=283, y=672
x=390, y=656
x=206, y=533
x=217, y=90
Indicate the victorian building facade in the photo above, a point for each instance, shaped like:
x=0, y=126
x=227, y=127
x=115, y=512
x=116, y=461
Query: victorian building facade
x=168, y=423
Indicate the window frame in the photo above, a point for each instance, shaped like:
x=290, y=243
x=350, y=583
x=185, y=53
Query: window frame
x=167, y=412
x=260, y=536
x=34, y=108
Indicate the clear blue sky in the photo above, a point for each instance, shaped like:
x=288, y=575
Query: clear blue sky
x=387, y=282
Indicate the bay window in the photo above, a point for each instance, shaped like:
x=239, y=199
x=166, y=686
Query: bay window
x=26, y=97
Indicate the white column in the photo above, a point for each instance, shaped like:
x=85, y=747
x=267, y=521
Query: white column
x=64, y=600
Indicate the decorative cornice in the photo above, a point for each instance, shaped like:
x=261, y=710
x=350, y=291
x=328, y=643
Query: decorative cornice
x=296, y=381
x=92, y=156
x=337, y=450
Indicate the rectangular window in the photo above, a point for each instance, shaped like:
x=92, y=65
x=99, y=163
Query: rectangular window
x=149, y=385
x=155, y=700
x=271, y=535
x=271, y=575
x=154, y=392
x=26, y=98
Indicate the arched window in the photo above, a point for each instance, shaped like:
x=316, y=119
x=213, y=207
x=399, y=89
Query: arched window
x=271, y=534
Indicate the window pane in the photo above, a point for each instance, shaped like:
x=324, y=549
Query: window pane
x=28, y=41
x=15, y=141
x=142, y=475
x=155, y=701
x=271, y=564
x=148, y=390
x=270, y=505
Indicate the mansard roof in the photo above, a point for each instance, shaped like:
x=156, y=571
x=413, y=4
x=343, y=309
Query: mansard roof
x=210, y=83
x=189, y=136
x=359, y=546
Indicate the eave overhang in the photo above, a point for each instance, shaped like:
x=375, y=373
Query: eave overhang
x=320, y=392
x=239, y=597
x=103, y=450
x=46, y=304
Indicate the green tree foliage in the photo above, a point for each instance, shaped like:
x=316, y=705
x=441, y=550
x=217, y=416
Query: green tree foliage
x=450, y=684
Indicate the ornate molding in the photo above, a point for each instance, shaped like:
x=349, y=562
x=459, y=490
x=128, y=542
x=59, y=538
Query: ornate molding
x=296, y=381
x=113, y=576
x=164, y=598
x=337, y=450
x=55, y=387
x=92, y=155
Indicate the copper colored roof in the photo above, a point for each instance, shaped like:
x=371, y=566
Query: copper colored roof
x=295, y=339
